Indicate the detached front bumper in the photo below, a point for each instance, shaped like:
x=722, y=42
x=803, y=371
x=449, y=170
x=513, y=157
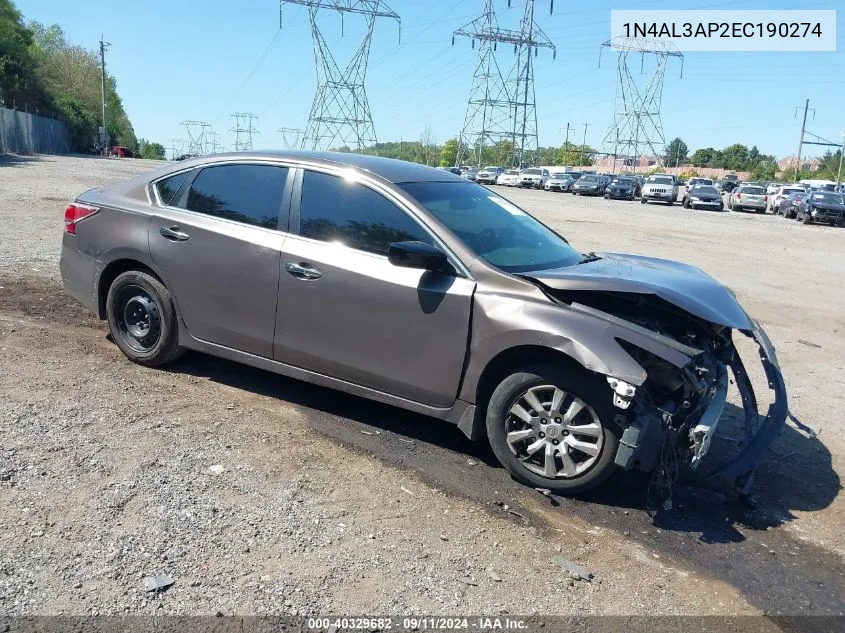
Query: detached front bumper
x=758, y=438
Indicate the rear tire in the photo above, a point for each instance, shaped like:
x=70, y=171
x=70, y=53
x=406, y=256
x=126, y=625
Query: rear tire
x=642, y=200
x=578, y=461
x=142, y=319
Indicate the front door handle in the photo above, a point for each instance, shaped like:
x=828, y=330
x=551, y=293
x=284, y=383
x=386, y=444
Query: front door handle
x=303, y=271
x=173, y=233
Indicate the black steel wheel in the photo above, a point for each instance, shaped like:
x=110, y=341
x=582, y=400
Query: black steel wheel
x=142, y=319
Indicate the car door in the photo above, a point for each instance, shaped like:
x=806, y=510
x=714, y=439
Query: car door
x=345, y=311
x=217, y=242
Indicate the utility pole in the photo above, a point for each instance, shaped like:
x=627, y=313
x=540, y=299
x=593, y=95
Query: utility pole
x=566, y=142
x=839, y=171
x=803, y=130
x=105, y=134
x=583, y=144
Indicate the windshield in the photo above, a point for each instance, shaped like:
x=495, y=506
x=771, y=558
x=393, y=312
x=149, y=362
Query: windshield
x=494, y=168
x=661, y=180
x=621, y=181
x=512, y=172
x=532, y=172
x=589, y=178
x=494, y=228
x=700, y=189
x=829, y=198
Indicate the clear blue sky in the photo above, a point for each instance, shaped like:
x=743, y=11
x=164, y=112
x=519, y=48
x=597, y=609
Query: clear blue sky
x=198, y=59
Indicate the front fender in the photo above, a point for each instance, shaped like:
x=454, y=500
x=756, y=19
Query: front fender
x=588, y=336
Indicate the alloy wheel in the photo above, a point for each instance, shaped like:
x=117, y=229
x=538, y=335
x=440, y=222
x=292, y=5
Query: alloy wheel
x=553, y=433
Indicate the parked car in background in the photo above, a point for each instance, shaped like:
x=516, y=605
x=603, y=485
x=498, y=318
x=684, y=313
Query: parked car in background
x=488, y=175
x=781, y=193
x=659, y=188
x=692, y=182
x=772, y=188
x=621, y=188
x=535, y=177
x=749, y=198
x=729, y=182
x=121, y=152
x=788, y=206
x=560, y=181
x=451, y=170
x=589, y=185
x=821, y=207
x=704, y=197
x=470, y=174
x=396, y=282
x=509, y=178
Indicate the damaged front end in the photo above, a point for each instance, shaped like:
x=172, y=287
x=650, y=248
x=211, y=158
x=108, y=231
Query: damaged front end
x=672, y=417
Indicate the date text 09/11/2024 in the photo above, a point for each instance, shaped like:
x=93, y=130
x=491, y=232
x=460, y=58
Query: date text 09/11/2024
x=723, y=29
x=420, y=623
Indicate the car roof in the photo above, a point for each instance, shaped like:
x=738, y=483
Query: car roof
x=390, y=169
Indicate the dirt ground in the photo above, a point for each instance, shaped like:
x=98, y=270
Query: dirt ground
x=258, y=494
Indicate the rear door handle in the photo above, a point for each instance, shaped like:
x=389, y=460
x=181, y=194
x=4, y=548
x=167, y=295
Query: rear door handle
x=173, y=233
x=303, y=271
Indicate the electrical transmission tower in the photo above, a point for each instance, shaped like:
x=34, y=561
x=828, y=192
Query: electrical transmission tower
x=291, y=137
x=244, y=130
x=199, y=137
x=177, y=147
x=502, y=108
x=637, y=126
x=341, y=112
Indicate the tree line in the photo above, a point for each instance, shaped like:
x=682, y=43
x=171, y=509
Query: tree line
x=42, y=73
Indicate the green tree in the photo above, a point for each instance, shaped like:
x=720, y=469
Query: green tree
x=735, y=157
x=149, y=150
x=704, y=157
x=571, y=154
x=449, y=153
x=676, y=153
x=18, y=81
x=71, y=76
x=764, y=170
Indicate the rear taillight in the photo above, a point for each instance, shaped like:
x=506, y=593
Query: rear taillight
x=765, y=198
x=76, y=213
x=739, y=196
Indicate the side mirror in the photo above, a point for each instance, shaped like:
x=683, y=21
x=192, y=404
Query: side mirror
x=416, y=255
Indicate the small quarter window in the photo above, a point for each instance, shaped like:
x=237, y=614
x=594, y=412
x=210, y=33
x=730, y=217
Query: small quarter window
x=169, y=187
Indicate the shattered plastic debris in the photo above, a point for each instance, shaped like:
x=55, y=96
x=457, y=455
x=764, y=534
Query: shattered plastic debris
x=157, y=583
x=573, y=568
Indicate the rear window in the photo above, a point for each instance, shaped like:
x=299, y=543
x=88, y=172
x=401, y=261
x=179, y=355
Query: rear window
x=699, y=189
x=251, y=194
x=829, y=198
x=754, y=191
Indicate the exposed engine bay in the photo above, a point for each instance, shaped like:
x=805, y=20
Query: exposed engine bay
x=670, y=419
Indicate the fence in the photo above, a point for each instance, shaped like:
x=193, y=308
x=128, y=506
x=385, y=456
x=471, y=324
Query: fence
x=24, y=133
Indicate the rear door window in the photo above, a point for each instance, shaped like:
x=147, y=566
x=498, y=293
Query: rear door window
x=334, y=209
x=251, y=194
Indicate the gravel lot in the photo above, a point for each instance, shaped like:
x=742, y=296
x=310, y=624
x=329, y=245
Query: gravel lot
x=258, y=494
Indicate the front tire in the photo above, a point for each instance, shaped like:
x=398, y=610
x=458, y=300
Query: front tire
x=553, y=428
x=142, y=319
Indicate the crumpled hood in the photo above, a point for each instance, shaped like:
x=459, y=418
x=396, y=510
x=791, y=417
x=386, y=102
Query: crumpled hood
x=682, y=285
